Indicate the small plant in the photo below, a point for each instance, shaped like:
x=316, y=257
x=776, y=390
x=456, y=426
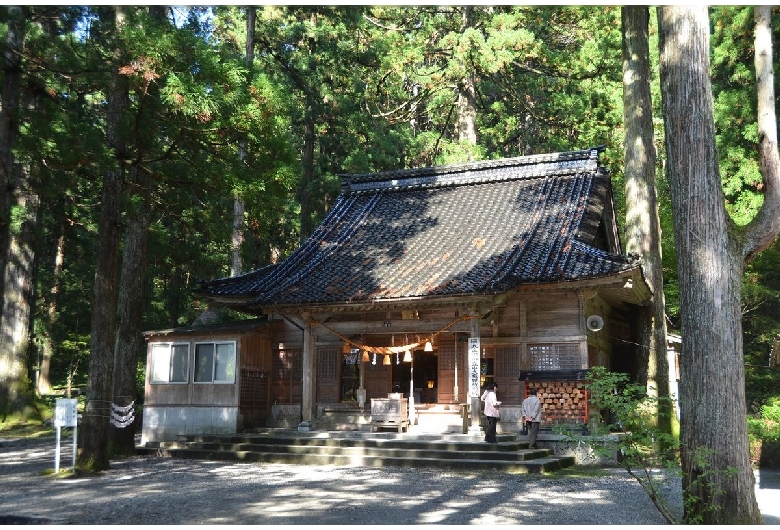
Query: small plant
x=641, y=448
x=649, y=454
x=700, y=497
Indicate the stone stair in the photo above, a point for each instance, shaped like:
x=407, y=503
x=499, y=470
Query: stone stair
x=445, y=451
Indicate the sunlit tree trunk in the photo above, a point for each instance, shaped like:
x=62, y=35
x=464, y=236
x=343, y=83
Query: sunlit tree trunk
x=467, y=95
x=711, y=253
x=643, y=227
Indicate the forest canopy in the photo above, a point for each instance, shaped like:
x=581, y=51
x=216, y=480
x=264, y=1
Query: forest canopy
x=170, y=106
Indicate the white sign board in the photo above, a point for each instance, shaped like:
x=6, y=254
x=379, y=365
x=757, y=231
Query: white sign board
x=474, y=362
x=66, y=413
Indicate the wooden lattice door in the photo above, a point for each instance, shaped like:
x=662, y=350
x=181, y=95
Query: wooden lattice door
x=253, y=403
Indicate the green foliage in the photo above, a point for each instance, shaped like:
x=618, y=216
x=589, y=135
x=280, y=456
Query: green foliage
x=639, y=446
x=767, y=427
x=381, y=85
x=702, y=497
x=733, y=85
x=627, y=408
x=642, y=450
x=546, y=78
x=761, y=326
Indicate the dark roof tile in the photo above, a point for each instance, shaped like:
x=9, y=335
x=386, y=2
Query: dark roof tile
x=473, y=228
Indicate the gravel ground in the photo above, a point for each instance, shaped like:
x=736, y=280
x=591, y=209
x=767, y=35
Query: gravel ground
x=153, y=490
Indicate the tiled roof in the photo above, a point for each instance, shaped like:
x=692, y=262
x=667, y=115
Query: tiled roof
x=475, y=228
x=232, y=327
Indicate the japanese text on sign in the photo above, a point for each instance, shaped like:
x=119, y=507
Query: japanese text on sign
x=66, y=413
x=474, y=366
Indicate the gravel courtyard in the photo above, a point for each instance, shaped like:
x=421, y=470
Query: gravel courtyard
x=154, y=490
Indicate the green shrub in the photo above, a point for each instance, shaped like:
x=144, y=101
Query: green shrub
x=764, y=435
x=642, y=449
x=767, y=427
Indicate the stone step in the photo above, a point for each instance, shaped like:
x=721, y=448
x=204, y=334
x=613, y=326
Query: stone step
x=491, y=453
x=368, y=450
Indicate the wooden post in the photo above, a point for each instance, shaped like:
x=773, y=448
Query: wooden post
x=308, y=377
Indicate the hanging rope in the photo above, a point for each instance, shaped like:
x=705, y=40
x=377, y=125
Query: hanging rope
x=387, y=350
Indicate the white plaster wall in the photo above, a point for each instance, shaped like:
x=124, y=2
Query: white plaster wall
x=168, y=423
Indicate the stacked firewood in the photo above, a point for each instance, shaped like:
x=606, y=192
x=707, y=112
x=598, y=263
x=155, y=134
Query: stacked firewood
x=562, y=401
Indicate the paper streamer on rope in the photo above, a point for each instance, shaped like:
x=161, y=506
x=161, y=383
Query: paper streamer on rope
x=121, y=417
x=387, y=350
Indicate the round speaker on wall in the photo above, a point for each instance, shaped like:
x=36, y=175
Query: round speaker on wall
x=594, y=323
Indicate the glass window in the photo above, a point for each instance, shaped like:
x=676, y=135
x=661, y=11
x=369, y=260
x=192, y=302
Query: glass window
x=215, y=362
x=225, y=363
x=204, y=363
x=170, y=363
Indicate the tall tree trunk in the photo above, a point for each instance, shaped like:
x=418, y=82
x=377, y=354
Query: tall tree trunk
x=129, y=342
x=643, y=227
x=310, y=115
x=52, y=312
x=763, y=230
x=19, y=284
x=238, y=202
x=718, y=480
x=467, y=94
x=95, y=432
x=132, y=292
x=307, y=176
x=9, y=115
x=467, y=112
x=13, y=378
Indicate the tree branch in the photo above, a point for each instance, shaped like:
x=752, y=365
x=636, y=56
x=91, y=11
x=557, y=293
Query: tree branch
x=763, y=230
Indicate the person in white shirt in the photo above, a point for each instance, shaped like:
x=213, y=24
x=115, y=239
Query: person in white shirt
x=491, y=411
x=532, y=416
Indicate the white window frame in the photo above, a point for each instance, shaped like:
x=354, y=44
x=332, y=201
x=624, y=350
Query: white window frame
x=215, y=366
x=163, y=360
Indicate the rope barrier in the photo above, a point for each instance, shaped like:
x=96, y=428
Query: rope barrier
x=388, y=350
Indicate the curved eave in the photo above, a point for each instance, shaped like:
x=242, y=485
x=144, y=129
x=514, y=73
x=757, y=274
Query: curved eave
x=625, y=287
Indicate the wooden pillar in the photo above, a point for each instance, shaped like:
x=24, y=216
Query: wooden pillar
x=361, y=392
x=309, y=379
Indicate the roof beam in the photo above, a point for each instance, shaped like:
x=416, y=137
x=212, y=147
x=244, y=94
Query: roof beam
x=423, y=326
